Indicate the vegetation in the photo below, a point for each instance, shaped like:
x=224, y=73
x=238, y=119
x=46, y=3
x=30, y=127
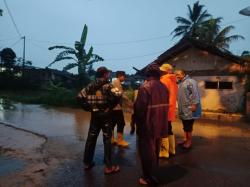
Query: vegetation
x=189, y=27
x=211, y=33
x=82, y=60
x=53, y=95
x=8, y=57
x=202, y=27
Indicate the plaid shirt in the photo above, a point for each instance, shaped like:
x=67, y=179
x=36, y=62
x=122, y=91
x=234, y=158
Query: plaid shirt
x=99, y=96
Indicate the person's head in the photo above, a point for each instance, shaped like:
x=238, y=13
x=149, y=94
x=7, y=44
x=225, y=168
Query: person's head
x=102, y=73
x=121, y=75
x=166, y=68
x=153, y=70
x=180, y=74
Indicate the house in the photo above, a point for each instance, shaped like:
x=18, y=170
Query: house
x=221, y=76
x=41, y=77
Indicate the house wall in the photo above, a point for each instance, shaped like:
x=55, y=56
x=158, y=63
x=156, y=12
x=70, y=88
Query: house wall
x=226, y=100
x=195, y=59
x=223, y=100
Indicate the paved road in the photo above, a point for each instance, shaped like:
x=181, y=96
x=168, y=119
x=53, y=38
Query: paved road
x=220, y=155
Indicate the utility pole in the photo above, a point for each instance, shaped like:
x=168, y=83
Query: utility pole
x=23, y=66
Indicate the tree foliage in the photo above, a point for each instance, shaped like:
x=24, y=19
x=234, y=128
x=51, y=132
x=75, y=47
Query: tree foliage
x=189, y=26
x=8, y=57
x=81, y=58
x=212, y=34
x=201, y=26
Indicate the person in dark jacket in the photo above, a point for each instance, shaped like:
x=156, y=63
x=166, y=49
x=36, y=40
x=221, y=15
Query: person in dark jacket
x=151, y=109
x=99, y=98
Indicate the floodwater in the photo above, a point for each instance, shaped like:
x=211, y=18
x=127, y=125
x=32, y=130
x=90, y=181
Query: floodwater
x=45, y=120
x=10, y=165
x=219, y=157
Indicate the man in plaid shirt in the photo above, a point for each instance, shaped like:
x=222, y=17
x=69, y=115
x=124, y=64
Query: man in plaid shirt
x=99, y=98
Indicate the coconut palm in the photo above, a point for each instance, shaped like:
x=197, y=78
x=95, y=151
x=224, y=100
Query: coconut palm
x=189, y=26
x=245, y=53
x=212, y=34
x=82, y=59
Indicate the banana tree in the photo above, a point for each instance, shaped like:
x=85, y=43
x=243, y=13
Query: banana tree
x=82, y=59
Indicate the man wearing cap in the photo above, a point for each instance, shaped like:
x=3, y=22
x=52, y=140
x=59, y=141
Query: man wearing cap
x=168, y=78
x=151, y=107
x=99, y=98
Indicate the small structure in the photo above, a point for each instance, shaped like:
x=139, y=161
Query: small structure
x=41, y=77
x=221, y=76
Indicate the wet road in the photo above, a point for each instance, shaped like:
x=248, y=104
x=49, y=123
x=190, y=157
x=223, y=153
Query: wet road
x=220, y=155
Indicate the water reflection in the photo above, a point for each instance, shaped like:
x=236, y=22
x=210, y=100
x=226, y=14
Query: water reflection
x=6, y=104
x=61, y=122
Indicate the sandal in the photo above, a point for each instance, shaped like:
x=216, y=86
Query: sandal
x=142, y=181
x=186, y=147
x=89, y=166
x=113, y=169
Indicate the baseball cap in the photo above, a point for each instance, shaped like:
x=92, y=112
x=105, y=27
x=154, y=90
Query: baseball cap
x=166, y=67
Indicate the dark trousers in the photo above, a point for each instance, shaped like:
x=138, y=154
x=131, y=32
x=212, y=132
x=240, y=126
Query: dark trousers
x=118, y=119
x=188, y=125
x=170, y=131
x=149, y=148
x=99, y=121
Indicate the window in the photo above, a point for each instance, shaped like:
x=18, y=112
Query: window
x=218, y=85
x=225, y=85
x=211, y=85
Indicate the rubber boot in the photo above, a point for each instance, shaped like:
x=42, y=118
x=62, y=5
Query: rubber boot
x=164, y=150
x=120, y=141
x=171, y=144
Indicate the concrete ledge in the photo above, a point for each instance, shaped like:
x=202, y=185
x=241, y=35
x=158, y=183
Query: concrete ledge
x=223, y=116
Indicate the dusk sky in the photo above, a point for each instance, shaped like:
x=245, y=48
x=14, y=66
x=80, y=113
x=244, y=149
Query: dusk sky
x=125, y=33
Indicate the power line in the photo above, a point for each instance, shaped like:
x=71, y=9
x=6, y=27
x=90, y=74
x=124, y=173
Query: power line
x=49, y=42
x=126, y=42
x=108, y=43
x=2, y=40
x=133, y=57
x=12, y=19
x=12, y=45
x=133, y=41
x=235, y=21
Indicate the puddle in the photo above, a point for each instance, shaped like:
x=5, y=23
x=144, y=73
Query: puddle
x=6, y=104
x=10, y=165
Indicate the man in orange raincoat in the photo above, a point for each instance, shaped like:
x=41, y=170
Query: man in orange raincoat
x=168, y=78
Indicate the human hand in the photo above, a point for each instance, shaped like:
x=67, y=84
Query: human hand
x=193, y=107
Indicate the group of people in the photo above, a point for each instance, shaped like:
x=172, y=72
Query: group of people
x=154, y=112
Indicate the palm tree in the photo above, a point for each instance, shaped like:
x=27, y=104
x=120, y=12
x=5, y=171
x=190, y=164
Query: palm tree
x=188, y=27
x=211, y=33
x=82, y=59
x=245, y=53
x=1, y=12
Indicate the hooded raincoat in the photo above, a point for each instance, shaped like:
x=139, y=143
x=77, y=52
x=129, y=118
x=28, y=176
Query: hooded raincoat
x=169, y=80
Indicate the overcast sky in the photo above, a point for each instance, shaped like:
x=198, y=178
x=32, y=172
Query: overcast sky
x=125, y=33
